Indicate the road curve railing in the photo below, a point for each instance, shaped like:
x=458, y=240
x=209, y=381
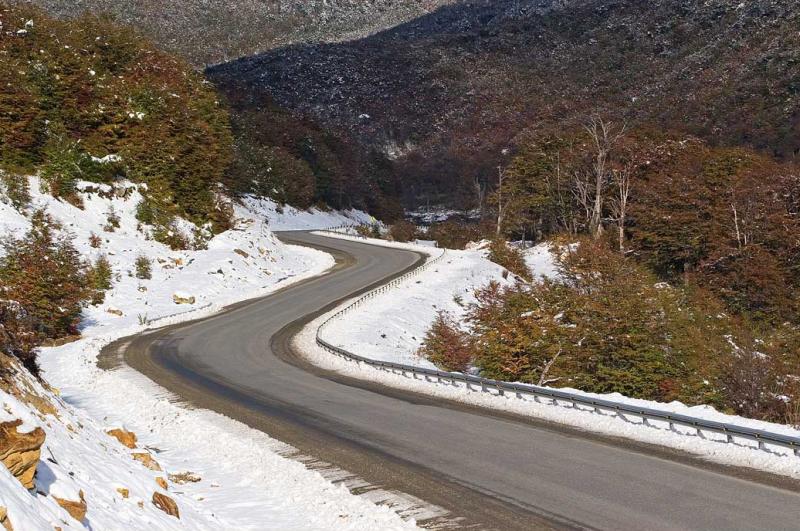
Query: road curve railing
x=555, y=397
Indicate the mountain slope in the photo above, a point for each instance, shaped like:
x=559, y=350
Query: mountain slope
x=211, y=31
x=443, y=94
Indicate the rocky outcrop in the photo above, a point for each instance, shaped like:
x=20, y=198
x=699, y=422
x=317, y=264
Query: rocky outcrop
x=76, y=509
x=127, y=438
x=4, y=520
x=162, y=483
x=147, y=460
x=166, y=504
x=19, y=452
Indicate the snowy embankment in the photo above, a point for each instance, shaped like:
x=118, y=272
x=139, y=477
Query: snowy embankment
x=391, y=327
x=219, y=473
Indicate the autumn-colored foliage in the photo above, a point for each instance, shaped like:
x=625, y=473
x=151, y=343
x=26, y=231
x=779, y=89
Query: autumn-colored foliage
x=446, y=346
x=403, y=231
x=44, y=284
x=500, y=252
x=453, y=234
x=86, y=99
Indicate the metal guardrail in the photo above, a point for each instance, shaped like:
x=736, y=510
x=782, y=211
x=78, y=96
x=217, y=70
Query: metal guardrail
x=556, y=397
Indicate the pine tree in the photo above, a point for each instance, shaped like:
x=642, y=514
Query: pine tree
x=44, y=273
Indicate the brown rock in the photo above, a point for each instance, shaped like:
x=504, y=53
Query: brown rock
x=128, y=438
x=4, y=521
x=19, y=452
x=114, y=311
x=76, y=509
x=166, y=504
x=177, y=299
x=162, y=483
x=184, y=477
x=147, y=460
x=241, y=253
x=124, y=492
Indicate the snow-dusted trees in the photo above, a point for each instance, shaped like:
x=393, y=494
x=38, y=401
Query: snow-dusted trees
x=44, y=273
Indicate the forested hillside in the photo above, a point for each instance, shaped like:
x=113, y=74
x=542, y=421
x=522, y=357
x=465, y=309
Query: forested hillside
x=88, y=100
x=444, y=94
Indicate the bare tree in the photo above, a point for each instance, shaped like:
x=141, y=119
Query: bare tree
x=480, y=194
x=619, y=203
x=501, y=206
x=546, y=369
x=603, y=136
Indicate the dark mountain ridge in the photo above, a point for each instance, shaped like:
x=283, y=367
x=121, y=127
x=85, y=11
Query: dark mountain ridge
x=443, y=95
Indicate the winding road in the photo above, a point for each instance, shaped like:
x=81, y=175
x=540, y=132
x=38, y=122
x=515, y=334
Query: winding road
x=489, y=470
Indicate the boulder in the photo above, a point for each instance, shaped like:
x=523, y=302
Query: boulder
x=76, y=509
x=123, y=492
x=114, y=311
x=127, y=438
x=19, y=452
x=166, y=504
x=182, y=298
x=147, y=460
x=162, y=483
x=241, y=253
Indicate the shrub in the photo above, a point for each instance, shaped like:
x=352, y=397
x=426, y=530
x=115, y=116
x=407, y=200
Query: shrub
x=100, y=274
x=112, y=220
x=18, y=335
x=403, y=231
x=44, y=273
x=16, y=189
x=95, y=241
x=143, y=268
x=446, y=346
x=369, y=231
x=452, y=234
x=509, y=257
x=606, y=325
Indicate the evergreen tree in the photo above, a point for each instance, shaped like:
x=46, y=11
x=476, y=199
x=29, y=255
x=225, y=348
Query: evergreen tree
x=44, y=273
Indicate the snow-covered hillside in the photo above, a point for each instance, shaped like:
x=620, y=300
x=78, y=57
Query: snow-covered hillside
x=218, y=473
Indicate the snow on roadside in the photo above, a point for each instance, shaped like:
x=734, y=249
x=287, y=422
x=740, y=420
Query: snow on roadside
x=289, y=218
x=405, y=313
x=392, y=327
x=245, y=483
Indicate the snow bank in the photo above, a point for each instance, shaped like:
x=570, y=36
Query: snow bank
x=289, y=218
x=245, y=481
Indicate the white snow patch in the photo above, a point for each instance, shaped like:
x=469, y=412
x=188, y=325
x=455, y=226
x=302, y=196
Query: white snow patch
x=286, y=217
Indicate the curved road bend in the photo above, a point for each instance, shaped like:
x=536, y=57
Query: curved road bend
x=491, y=470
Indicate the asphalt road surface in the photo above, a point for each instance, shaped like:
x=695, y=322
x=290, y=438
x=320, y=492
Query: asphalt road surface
x=489, y=470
